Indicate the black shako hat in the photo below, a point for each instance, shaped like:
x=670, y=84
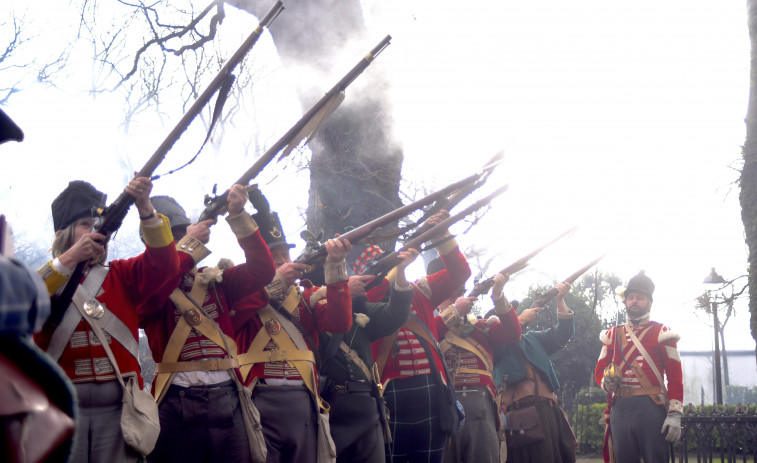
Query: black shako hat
x=79, y=199
x=168, y=206
x=642, y=283
x=267, y=220
x=9, y=130
x=436, y=265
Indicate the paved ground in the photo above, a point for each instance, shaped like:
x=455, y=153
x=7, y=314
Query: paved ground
x=596, y=458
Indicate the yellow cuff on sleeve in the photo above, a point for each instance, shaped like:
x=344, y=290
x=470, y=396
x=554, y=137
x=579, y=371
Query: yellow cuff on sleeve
x=447, y=246
x=159, y=235
x=193, y=247
x=334, y=272
x=242, y=225
x=53, y=278
x=391, y=277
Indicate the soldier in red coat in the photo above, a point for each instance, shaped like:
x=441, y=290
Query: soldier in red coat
x=278, y=345
x=188, y=325
x=468, y=347
x=643, y=414
x=412, y=390
x=111, y=295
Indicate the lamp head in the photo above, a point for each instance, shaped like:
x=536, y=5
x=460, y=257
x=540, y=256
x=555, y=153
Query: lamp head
x=713, y=278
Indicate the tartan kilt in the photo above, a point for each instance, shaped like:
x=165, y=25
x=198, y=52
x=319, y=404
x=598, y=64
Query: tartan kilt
x=414, y=419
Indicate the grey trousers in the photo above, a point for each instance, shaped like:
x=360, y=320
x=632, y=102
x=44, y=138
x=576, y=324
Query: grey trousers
x=201, y=424
x=636, y=425
x=290, y=426
x=98, y=436
x=477, y=442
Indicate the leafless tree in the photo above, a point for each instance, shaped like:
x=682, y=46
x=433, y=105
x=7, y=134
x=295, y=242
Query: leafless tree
x=16, y=69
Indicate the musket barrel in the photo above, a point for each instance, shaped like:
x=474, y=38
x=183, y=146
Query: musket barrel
x=253, y=171
x=117, y=210
x=391, y=260
x=546, y=297
x=361, y=232
x=126, y=200
x=444, y=224
x=214, y=85
x=484, y=286
x=214, y=206
x=461, y=194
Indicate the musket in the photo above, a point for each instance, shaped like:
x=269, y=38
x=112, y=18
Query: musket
x=380, y=268
x=483, y=287
x=312, y=255
x=455, y=199
x=115, y=213
x=214, y=206
x=542, y=300
x=443, y=204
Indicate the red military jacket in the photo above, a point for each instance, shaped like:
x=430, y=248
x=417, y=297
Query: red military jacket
x=320, y=309
x=487, y=334
x=158, y=316
x=659, y=342
x=428, y=293
x=128, y=283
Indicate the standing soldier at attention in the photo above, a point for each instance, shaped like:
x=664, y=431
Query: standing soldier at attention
x=278, y=345
x=468, y=350
x=188, y=326
x=644, y=414
x=109, y=296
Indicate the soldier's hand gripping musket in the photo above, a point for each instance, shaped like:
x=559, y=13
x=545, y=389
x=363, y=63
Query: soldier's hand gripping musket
x=381, y=267
x=114, y=215
x=305, y=128
x=483, y=287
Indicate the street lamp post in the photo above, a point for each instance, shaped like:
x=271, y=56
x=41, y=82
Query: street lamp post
x=714, y=278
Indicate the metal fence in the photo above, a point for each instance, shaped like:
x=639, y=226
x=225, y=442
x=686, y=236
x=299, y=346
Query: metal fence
x=729, y=434
x=724, y=434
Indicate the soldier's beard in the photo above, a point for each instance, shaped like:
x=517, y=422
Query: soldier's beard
x=639, y=315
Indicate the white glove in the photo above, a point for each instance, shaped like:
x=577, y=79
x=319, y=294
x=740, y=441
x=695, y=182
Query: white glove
x=672, y=426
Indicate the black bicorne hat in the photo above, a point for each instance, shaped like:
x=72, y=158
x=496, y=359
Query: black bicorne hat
x=8, y=129
x=436, y=265
x=79, y=199
x=267, y=220
x=169, y=207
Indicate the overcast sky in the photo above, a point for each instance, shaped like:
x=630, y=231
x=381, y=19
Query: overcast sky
x=623, y=117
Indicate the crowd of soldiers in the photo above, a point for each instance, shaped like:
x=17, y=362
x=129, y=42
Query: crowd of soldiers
x=272, y=360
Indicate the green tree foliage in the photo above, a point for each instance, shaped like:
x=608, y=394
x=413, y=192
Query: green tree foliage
x=590, y=407
x=741, y=395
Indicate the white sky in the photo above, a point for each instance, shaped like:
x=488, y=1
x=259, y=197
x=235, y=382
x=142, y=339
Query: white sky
x=622, y=117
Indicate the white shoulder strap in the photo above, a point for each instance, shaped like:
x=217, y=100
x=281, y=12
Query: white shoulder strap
x=647, y=358
x=71, y=318
x=104, y=342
